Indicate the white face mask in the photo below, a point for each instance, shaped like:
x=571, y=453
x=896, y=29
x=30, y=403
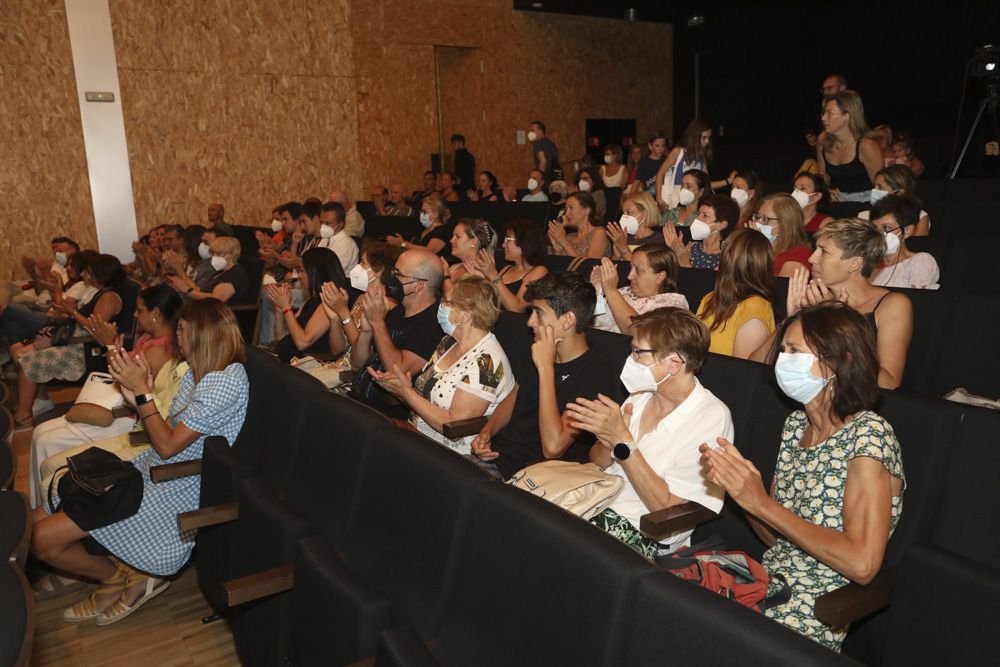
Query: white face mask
x=203, y=250
x=801, y=197
x=276, y=225
x=61, y=258
x=795, y=377
x=876, y=195
x=425, y=219
x=740, y=196
x=768, y=231
x=326, y=231
x=629, y=224
x=583, y=185
x=892, y=243
x=359, y=278
x=700, y=230
x=601, y=306
x=608, y=159
x=532, y=184
x=218, y=263
x=685, y=197
x=638, y=378
x=532, y=135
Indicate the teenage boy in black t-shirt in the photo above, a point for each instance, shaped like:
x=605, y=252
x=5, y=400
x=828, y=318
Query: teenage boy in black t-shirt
x=528, y=426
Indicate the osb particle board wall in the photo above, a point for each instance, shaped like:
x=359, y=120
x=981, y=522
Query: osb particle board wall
x=44, y=187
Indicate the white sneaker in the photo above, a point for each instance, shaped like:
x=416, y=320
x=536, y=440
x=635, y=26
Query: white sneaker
x=40, y=406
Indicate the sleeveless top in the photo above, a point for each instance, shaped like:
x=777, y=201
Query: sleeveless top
x=515, y=286
x=850, y=176
x=871, y=316
x=683, y=165
x=616, y=180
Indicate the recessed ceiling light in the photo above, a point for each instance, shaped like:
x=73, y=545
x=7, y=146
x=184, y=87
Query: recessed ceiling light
x=537, y=5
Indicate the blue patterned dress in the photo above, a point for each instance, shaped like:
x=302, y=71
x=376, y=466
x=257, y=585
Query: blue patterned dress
x=149, y=540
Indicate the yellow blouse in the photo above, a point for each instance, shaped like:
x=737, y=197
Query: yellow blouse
x=753, y=308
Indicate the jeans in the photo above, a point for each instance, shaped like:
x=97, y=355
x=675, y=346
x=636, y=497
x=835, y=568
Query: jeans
x=18, y=321
x=268, y=312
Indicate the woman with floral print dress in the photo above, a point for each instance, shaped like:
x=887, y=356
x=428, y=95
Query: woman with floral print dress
x=837, y=492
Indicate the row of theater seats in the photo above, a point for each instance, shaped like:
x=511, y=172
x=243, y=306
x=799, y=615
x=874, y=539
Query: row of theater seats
x=372, y=527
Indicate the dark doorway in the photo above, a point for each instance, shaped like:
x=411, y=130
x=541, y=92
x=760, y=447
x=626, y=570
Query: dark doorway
x=604, y=131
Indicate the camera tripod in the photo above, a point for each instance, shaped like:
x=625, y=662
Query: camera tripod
x=989, y=105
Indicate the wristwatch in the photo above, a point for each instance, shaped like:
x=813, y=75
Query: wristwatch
x=142, y=399
x=621, y=451
x=345, y=321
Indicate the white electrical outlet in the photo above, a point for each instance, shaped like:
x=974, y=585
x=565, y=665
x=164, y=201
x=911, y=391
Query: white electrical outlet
x=520, y=137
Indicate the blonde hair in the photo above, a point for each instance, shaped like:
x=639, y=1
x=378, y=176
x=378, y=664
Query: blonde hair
x=791, y=222
x=478, y=297
x=856, y=238
x=849, y=102
x=644, y=201
x=226, y=246
x=213, y=336
x=441, y=212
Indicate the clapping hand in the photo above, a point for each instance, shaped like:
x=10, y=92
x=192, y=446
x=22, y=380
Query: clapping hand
x=394, y=239
x=373, y=303
x=105, y=333
x=617, y=236
x=602, y=417
x=608, y=275
x=396, y=382
x=724, y=465
x=557, y=234
x=675, y=241
x=132, y=373
x=280, y=295
x=483, y=264
x=335, y=301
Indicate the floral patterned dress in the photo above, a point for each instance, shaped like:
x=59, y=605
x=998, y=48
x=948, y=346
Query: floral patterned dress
x=810, y=482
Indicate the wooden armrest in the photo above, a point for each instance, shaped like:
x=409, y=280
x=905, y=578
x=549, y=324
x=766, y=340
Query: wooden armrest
x=662, y=523
x=853, y=602
x=243, y=306
x=208, y=516
x=169, y=471
x=136, y=438
x=260, y=585
x=463, y=427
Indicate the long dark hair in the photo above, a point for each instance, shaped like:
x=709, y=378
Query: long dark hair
x=691, y=140
x=322, y=266
x=163, y=298
x=746, y=269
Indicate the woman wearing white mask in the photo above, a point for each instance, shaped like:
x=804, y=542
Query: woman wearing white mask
x=467, y=376
x=536, y=187
x=524, y=248
x=377, y=257
x=470, y=236
x=636, y=226
x=652, y=440
x=694, y=185
x=613, y=172
x=810, y=191
x=434, y=236
x=837, y=492
x=589, y=180
x=747, y=190
x=717, y=216
x=895, y=180
x=779, y=218
x=896, y=216
x=652, y=284
x=589, y=239
x=230, y=284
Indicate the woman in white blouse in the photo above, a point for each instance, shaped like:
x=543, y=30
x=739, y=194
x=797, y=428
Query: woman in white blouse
x=652, y=284
x=467, y=376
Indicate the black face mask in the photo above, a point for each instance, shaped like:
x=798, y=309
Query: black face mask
x=393, y=288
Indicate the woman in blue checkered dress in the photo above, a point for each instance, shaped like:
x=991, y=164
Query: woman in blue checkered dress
x=147, y=546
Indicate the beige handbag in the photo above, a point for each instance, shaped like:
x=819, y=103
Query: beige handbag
x=99, y=402
x=580, y=488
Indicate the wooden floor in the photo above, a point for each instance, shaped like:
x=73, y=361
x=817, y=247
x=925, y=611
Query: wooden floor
x=167, y=631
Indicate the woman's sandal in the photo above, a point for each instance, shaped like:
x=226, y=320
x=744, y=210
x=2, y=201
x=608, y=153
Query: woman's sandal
x=120, y=610
x=53, y=586
x=86, y=609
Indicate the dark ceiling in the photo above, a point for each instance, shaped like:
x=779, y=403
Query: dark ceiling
x=660, y=11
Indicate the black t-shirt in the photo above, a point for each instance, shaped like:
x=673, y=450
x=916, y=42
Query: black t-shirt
x=440, y=232
x=553, y=170
x=465, y=169
x=419, y=334
x=286, y=346
x=237, y=277
x=645, y=173
x=519, y=443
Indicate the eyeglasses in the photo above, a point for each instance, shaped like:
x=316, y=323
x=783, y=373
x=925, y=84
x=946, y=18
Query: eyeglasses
x=762, y=219
x=398, y=274
x=636, y=351
x=830, y=113
x=509, y=239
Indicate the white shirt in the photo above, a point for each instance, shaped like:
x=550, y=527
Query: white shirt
x=919, y=271
x=81, y=292
x=671, y=449
x=344, y=247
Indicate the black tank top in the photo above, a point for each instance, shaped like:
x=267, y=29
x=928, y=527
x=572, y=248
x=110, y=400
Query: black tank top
x=515, y=286
x=850, y=176
x=871, y=316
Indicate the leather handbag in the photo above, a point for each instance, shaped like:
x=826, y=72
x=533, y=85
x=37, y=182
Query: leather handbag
x=582, y=489
x=98, y=489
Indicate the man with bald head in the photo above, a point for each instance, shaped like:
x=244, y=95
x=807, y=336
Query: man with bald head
x=396, y=205
x=398, y=331
x=217, y=219
x=355, y=226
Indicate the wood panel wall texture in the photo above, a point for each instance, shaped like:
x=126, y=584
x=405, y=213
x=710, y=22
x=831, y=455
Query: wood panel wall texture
x=254, y=103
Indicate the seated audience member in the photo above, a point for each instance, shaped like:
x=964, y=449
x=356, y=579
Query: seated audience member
x=487, y=188
x=171, y=239
x=779, y=218
x=217, y=219
x=229, y=284
x=154, y=316
x=354, y=223
x=308, y=327
x=847, y=253
x=738, y=311
x=589, y=180
x=747, y=190
x=395, y=205
x=23, y=319
x=810, y=191
x=378, y=199
x=41, y=273
x=331, y=218
x=636, y=227
x=589, y=240
x=377, y=259
x=896, y=216
x=882, y=134
x=197, y=268
x=467, y=376
x=837, y=492
x=652, y=284
x=694, y=185
x=406, y=335
x=901, y=153
x=897, y=179
x=651, y=441
x=470, y=236
x=536, y=187
x=717, y=217
x=434, y=237
x=613, y=172
x=447, y=183
x=524, y=247
x=634, y=157
x=40, y=361
x=528, y=426
x=212, y=400
x=429, y=189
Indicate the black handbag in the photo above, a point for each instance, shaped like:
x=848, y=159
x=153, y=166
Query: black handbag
x=98, y=489
x=60, y=331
